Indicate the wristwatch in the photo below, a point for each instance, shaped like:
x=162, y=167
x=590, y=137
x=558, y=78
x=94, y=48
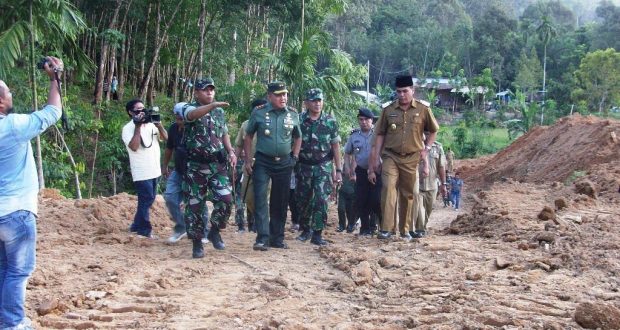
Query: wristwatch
x=338, y=171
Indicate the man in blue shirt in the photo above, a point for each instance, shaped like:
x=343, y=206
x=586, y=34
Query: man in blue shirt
x=18, y=195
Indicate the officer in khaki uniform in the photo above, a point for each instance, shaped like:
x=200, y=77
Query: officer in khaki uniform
x=401, y=144
x=436, y=163
x=276, y=126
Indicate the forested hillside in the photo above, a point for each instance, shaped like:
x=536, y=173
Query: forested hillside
x=555, y=57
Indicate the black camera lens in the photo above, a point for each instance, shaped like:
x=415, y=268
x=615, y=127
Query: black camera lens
x=41, y=63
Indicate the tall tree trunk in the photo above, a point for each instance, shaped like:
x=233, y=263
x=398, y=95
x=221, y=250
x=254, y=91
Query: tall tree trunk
x=104, y=57
x=146, y=39
x=35, y=105
x=201, y=43
x=155, y=57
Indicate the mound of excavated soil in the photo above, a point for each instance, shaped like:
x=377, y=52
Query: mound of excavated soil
x=554, y=153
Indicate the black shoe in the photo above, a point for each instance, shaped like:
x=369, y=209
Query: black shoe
x=305, y=235
x=418, y=234
x=350, y=228
x=384, y=235
x=241, y=229
x=216, y=239
x=260, y=247
x=198, y=250
x=279, y=245
x=340, y=229
x=317, y=239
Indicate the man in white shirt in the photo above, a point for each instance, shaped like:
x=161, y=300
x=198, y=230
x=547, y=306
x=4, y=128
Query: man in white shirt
x=141, y=136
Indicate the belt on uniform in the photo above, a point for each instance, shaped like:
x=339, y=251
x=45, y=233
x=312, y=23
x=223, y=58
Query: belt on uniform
x=402, y=154
x=326, y=158
x=274, y=158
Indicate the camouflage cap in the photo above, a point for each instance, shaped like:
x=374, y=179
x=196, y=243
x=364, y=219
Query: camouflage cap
x=314, y=94
x=277, y=87
x=204, y=83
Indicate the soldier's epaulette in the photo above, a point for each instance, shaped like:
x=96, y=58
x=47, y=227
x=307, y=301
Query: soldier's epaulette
x=355, y=130
x=425, y=103
x=292, y=109
x=260, y=106
x=395, y=102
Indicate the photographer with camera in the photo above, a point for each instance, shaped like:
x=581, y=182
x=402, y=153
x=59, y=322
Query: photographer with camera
x=18, y=195
x=141, y=135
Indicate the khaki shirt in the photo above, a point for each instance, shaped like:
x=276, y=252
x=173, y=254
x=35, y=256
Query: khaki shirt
x=275, y=129
x=241, y=136
x=403, y=129
x=436, y=158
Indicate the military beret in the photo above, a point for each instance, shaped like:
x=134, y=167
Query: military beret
x=404, y=81
x=277, y=87
x=365, y=112
x=204, y=83
x=314, y=94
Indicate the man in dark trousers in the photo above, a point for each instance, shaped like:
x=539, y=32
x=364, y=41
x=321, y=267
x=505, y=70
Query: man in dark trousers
x=368, y=195
x=277, y=151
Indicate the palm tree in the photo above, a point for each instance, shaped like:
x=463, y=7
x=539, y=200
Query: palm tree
x=546, y=31
x=54, y=23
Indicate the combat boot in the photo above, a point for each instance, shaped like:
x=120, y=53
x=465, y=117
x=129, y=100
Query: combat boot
x=317, y=239
x=305, y=235
x=215, y=238
x=198, y=250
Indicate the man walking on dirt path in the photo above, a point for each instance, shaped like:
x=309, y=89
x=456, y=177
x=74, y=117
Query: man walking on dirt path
x=246, y=191
x=320, y=145
x=207, y=143
x=399, y=139
x=173, y=194
x=456, y=184
x=450, y=159
x=367, y=195
x=436, y=161
x=19, y=188
x=276, y=126
x=141, y=136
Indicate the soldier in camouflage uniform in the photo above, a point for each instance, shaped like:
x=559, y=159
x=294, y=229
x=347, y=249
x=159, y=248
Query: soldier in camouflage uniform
x=320, y=143
x=206, y=141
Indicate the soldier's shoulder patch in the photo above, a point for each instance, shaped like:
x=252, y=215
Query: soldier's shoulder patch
x=391, y=105
x=424, y=103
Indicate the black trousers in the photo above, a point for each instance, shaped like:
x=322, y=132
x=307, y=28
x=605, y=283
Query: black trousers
x=367, y=199
x=270, y=217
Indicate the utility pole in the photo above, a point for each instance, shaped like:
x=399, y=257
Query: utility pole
x=368, y=83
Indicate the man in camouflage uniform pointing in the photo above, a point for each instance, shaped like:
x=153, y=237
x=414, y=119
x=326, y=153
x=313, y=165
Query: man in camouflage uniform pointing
x=320, y=143
x=206, y=142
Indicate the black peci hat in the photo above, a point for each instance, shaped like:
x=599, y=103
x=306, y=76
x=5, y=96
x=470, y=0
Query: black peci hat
x=404, y=81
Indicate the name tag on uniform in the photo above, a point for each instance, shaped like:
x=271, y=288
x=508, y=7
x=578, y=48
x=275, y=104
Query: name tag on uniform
x=267, y=121
x=393, y=115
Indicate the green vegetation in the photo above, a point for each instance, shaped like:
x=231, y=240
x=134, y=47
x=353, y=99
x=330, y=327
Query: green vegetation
x=556, y=57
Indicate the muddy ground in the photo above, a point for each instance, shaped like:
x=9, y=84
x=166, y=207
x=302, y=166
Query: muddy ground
x=536, y=245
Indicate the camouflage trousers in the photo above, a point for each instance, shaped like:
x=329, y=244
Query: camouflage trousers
x=239, y=203
x=201, y=182
x=314, y=185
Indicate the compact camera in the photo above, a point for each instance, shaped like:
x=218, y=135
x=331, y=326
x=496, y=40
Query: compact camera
x=150, y=116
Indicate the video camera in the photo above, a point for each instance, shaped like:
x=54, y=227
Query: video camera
x=41, y=65
x=150, y=116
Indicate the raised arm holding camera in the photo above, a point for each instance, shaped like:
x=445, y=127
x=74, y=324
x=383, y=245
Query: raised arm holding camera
x=141, y=135
x=18, y=194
